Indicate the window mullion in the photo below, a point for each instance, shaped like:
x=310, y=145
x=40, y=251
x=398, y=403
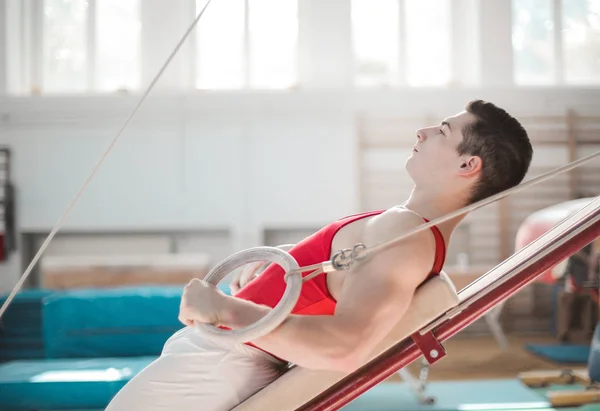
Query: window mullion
x=33, y=36
x=91, y=47
x=401, y=76
x=247, y=46
x=559, y=64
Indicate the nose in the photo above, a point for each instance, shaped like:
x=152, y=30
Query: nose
x=421, y=135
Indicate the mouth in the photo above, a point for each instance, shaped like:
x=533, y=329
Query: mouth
x=415, y=150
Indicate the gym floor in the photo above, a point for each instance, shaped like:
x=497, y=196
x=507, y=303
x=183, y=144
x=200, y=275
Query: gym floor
x=476, y=358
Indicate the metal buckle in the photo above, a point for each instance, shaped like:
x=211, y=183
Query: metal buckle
x=344, y=259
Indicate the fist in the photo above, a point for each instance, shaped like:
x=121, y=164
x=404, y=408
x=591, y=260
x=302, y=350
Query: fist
x=201, y=302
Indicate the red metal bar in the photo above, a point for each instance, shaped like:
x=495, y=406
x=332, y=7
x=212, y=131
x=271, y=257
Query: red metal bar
x=405, y=352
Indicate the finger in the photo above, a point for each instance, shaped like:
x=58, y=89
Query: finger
x=194, y=282
x=250, y=272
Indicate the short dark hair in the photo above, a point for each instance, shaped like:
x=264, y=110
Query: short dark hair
x=502, y=144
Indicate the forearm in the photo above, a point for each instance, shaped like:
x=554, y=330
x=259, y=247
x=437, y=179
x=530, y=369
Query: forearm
x=315, y=342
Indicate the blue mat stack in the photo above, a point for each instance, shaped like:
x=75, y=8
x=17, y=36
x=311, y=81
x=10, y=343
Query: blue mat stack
x=21, y=326
x=120, y=322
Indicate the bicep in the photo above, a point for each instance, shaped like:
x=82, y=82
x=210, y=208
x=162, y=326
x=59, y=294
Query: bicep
x=372, y=303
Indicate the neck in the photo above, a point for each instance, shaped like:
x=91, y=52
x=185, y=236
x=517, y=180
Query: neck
x=432, y=204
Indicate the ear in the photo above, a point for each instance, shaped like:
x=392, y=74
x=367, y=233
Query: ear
x=470, y=166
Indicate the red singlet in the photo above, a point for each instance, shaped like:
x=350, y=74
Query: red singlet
x=315, y=298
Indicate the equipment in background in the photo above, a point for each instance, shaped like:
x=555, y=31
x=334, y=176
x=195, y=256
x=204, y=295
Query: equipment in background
x=71, y=272
x=8, y=238
x=589, y=380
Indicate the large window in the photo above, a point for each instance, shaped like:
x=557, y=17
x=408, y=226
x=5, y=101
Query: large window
x=401, y=42
x=90, y=45
x=581, y=41
x=427, y=42
x=64, y=37
x=533, y=42
x=117, y=48
x=376, y=40
x=554, y=45
x=247, y=44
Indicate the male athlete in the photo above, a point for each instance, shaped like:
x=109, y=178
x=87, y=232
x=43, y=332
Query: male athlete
x=340, y=317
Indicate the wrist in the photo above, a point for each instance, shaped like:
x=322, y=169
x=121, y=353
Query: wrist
x=237, y=313
x=227, y=311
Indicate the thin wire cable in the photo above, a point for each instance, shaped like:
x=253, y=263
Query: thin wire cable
x=329, y=266
x=62, y=219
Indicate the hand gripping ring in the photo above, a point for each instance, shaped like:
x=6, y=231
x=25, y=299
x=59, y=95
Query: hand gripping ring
x=278, y=314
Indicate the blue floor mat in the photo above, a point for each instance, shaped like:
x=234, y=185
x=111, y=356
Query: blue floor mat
x=90, y=384
x=65, y=384
x=452, y=396
x=559, y=353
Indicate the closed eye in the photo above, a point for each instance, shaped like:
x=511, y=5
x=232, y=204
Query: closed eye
x=445, y=123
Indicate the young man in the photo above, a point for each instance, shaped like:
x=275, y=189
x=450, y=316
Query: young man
x=340, y=317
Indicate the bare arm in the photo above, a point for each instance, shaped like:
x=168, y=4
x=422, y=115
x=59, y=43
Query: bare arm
x=374, y=298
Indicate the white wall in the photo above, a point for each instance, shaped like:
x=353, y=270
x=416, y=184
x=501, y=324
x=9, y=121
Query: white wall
x=210, y=161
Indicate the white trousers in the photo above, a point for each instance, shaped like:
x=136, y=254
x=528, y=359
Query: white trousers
x=194, y=374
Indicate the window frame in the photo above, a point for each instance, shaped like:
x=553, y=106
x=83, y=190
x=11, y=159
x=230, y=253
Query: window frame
x=30, y=39
x=559, y=77
x=247, y=57
x=472, y=66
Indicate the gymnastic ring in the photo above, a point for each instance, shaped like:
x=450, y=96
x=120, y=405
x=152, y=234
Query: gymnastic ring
x=277, y=315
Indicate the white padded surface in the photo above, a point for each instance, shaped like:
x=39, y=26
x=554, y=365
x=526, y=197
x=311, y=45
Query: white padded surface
x=299, y=385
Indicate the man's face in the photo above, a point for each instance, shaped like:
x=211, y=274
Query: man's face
x=434, y=154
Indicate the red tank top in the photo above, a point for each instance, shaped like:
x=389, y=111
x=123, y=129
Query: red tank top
x=315, y=298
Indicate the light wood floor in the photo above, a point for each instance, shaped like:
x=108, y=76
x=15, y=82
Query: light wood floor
x=482, y=358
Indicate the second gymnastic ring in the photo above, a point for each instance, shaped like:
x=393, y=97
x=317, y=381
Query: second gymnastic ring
x=248, y=275
x=278, y=314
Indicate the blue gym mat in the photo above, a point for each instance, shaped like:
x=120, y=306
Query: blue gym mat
x=65, y=384
x=21, y=326
x=114, y=322
x=452, y=396
x=120, y=322
x=561, y=353
x=90, y=384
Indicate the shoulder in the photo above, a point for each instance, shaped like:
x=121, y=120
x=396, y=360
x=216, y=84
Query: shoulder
x=415, y=253
x=394, y=223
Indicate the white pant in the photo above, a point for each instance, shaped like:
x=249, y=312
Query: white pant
x=195, y=374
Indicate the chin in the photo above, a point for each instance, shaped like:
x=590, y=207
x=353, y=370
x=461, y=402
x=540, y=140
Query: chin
x=408, y=168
